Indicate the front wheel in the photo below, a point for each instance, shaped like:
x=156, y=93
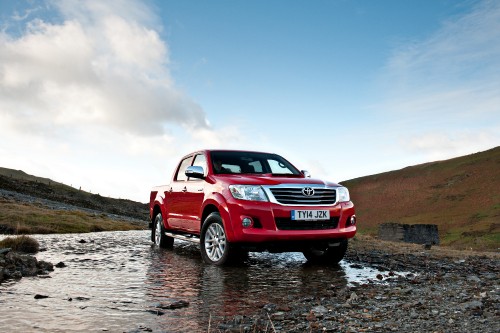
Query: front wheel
x=327, y=255
x=215, y=249
x=158, y=234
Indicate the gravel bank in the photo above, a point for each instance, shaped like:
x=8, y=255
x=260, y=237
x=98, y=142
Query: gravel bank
x=446, y=291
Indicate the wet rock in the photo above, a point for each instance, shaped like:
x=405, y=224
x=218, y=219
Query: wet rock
x=156, y=312
x=60, y=265
x=270, y=307
x=14, y=265
x=353, y=298
x=278, y=316
x=473, y=278
x=44, y=267
x=39, y=296
x=82, y=241
x=5, y=250
x=320, y=309
x=472, y=305
x=174, y=305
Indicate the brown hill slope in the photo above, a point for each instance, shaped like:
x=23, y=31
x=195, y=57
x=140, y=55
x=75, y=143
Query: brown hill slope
x=460, y=195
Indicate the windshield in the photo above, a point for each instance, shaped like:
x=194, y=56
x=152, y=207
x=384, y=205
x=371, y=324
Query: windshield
x=230, y=162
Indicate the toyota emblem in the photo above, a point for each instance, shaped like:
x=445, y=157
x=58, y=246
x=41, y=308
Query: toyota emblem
x=308, y=191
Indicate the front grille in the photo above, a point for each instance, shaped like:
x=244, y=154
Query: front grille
x=289, y=224
x=294, y=196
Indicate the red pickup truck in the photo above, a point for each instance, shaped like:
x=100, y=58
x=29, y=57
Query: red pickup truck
x=235, y=202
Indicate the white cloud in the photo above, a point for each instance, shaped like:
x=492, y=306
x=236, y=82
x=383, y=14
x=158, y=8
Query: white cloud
x=439, y=145
x=87, y=98
x=100, y=69
x=465, y=49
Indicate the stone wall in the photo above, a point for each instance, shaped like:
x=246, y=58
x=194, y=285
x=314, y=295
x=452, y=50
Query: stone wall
x=409, y=233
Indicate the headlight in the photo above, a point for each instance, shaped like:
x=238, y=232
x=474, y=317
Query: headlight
x=343, y=194
x=248, y=192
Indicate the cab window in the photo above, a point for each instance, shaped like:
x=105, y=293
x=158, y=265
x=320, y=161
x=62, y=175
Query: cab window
x=181, y=176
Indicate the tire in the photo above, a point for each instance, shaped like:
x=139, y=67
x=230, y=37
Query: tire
x=158, y=234
x=214, y=247
x=327, y=255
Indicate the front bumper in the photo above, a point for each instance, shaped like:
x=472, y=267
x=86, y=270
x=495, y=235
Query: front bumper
x=272, y=223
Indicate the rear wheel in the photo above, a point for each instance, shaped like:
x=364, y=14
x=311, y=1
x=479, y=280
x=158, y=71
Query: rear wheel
x=215, y=249
x=327, y=255
x=158, y=234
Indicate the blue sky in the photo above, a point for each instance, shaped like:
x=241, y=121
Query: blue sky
x=108, y=95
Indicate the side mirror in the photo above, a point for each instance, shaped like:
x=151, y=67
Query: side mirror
x=306, y=173
x=195, y=171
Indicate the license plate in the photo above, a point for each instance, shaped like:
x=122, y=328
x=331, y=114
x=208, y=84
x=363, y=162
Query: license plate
x=310, y=215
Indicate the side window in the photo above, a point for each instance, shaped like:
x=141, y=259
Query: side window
x=200, y=160
x=181, y=176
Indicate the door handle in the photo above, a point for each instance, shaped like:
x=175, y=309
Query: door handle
x=184, y=189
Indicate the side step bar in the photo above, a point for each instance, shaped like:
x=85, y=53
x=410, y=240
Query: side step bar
x=192, y=239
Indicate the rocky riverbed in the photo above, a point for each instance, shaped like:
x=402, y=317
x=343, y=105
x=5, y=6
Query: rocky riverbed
x=446, y=291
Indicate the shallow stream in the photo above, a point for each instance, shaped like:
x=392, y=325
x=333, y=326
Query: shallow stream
x=118, y=282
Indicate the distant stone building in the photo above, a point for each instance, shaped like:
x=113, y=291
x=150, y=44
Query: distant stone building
x=409, y=233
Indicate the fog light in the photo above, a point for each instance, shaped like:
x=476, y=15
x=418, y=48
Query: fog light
x=352, y=220
x=246, y=222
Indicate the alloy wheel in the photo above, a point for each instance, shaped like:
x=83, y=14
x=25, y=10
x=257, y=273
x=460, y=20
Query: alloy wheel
x=215, y=242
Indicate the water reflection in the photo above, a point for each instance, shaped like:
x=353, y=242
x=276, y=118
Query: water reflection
x=116, y=281
x=217, y=292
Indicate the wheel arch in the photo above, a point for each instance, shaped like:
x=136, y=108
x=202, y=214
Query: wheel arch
x=207, y=210
x=157, y=209
x=218, y=204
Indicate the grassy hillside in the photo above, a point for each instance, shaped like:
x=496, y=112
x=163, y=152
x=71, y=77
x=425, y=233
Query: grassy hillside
x=460, y=195
x=92, y=213
x=20, y=182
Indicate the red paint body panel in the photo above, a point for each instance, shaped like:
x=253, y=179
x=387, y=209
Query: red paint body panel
x=185, y=203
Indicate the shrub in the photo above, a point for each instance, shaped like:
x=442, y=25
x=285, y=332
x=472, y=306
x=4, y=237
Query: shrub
x=24, y=244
